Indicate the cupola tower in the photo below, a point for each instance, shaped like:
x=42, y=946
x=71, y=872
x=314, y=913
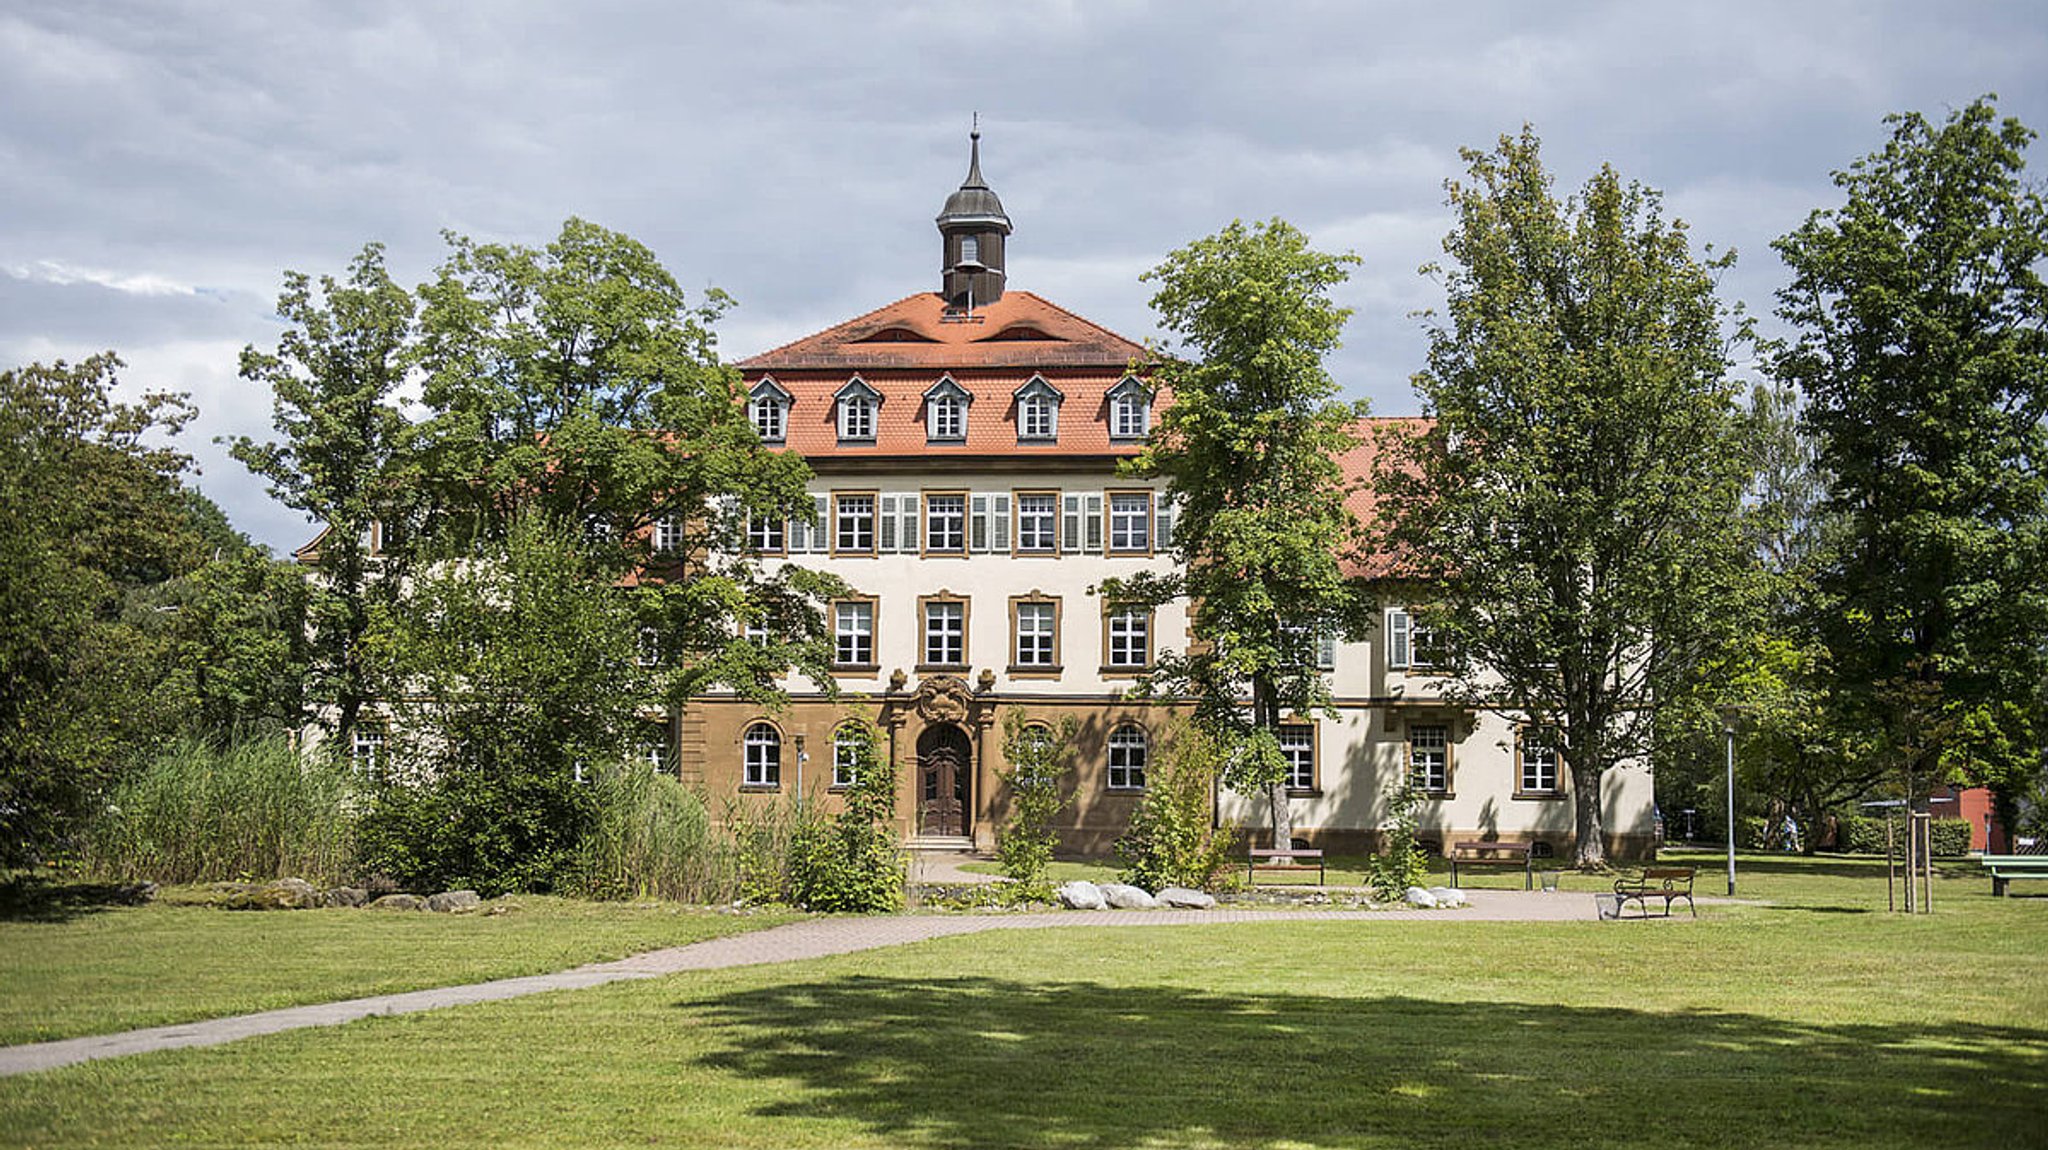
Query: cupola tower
x=972, y=231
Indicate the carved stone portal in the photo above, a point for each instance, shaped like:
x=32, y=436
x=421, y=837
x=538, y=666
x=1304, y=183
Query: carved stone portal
x=943, y=699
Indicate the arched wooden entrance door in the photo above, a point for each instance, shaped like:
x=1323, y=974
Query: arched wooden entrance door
x=944, y=763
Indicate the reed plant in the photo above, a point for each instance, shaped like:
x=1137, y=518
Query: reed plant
x=652, y=839
x=205, y=811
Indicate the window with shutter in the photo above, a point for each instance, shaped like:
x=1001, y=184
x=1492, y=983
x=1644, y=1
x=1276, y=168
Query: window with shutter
x=1093, y=542
x=887, y=526
x=799, y=537
x=1000, y=524
x=1070, y=529
x=1326, y=651
x=1162, y=525
x=1397, y=639
x=978, y=538
x=906, y=535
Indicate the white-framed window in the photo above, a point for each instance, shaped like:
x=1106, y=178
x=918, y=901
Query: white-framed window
x=948, y=420
x=1130, y=638
x=647, y=647
x=945, y=523
x=845, y=756
x=1038, y=411
x=668, y=535
x=1429, y=757
x=1035, y=629
x=366, y=751
x=1326, y=650
x=758, y=633
x=1130, y=410
x=654, y=752
x=768, y=411
x=854, y=524
x=1538, y=775
x=1410, y=644
x=766, y=534
x=857, y=403
x=1130, y=521
x=1038, y=523
x=763, y=757
x=1127, y=749
x=970, y=249
x=945, y=632
x=1298, y=747
x=853, y=633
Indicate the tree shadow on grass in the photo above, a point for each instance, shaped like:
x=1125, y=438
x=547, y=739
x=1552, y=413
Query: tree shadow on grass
x=982, y=1061
x=29, y=897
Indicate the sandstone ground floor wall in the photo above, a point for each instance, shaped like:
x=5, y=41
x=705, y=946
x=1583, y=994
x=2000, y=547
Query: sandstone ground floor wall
x=1360, y=757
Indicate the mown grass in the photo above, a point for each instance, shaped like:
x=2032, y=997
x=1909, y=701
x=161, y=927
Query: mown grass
x=1758, y=1027
x=69, y=967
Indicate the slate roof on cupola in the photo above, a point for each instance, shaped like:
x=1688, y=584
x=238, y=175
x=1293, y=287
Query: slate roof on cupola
x=975, y=202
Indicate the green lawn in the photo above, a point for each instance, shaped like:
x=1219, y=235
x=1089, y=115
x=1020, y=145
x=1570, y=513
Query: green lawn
x=1817, y=1023
x=68, y=969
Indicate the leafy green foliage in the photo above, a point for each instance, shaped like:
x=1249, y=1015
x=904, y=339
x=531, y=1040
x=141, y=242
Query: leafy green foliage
x=95, y=517
x=1921, y=346
x=1859, y=834
x=1400, y=863
x=520, y=675
x=1037, y=778
x=1250, y=451
x=1572, y=512
x=202, y=812
x=333, y=382
x=852, y=863
x=1170, y=841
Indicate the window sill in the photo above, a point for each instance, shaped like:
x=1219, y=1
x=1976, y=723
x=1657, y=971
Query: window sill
x=1435, y=796
x=942, y=554
x=1125, y=672
x=941, y=668
x=1538, y=796
x=1120, y=553
x=1304, y=792
x=760, y=788
x=1035, y=671
x=1125, y=790
x=856, y=669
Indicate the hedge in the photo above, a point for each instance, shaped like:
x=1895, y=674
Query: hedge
x=1858, y=834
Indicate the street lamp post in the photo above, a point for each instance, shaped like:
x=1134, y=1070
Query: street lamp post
x=1728, y=716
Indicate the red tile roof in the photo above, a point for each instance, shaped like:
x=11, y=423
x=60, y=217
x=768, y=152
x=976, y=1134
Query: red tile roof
x=1376, y=437
x=903, y=348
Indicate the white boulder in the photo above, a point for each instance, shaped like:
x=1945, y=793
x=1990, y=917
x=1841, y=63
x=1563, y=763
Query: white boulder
x=1123, y=896
x=1417, y=896
x=1080, y=895
x=1185, y=899
x=1449, y=896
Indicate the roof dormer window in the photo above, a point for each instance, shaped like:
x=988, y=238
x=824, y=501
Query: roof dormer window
x=1038, y=411
x=857, y=404
x=768, y=410
x=945, y=412
x=1130, y=410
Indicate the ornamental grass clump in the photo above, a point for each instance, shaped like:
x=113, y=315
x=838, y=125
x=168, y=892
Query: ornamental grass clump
x=650, y=839
x=204, y=812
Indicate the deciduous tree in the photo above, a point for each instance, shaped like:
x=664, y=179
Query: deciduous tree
x=1249, y=448
x=1573, y=512
x=1921, y=347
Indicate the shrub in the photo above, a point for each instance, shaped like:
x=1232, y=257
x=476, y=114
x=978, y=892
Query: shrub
x=1038, y=763
x=1401, y=863
x=852, y=863
x=650, y=838
x=202, y=812
x=1170, y=841
x=1861, y=834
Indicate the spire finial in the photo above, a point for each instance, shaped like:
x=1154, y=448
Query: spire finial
x=974, y=179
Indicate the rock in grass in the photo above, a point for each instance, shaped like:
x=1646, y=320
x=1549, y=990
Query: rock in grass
x=1081, y=895
x=282, y=894
x=1185, y=899
x=346, y=896
x=399, y=902
x=1126, y=897
x=1419, y=897
x=454, y=901
x=1449, y=896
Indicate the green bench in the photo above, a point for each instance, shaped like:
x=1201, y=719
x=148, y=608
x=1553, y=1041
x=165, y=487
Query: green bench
x=2005, y=868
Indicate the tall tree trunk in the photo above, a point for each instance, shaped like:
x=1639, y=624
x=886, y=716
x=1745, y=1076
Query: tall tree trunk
x=1283, y=816
x=1589, y=839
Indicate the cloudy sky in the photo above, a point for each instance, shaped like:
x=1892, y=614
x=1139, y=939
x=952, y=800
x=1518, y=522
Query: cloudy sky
x=162, y=163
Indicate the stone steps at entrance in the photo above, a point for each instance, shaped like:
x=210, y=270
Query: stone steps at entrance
x=937, y=844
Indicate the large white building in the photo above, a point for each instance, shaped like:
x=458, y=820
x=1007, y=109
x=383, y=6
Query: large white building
x=964, y=444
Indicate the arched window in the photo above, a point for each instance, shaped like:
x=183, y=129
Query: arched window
x=1127, y=746
x=846, y=753
x=763, y=757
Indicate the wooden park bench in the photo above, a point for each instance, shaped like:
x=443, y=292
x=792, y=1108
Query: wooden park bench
x=1282, y=860
x=1494, y=854
x=2005, y=868
x=1667, y=883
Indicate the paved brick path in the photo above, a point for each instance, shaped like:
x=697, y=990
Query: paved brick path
x=812, y=938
